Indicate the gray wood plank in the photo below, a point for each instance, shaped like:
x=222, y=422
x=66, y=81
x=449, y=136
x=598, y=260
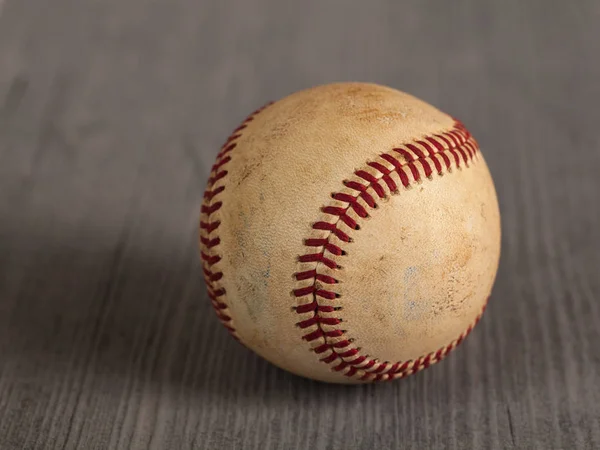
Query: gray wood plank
x=111, y=112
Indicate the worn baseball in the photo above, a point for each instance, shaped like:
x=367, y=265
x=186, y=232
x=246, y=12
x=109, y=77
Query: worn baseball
x=350, y=233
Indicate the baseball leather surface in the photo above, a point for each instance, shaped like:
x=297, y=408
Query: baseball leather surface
x=350, y=233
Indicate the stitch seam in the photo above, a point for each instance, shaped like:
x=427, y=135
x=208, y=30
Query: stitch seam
x=317, y=301
x=209, y=225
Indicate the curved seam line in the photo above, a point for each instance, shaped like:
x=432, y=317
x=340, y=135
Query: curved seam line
x=209, y=237
x=455, y=141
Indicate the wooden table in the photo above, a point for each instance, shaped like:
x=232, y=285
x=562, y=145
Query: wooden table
x=111, y=112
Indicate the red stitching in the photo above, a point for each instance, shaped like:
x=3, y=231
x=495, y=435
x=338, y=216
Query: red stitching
x=333, y=228
x=391, y=184
x=372, y=180
x=398, y=168
x=209, y=242
x=216, y=177
x=342, y=213
x=210, y=226
x=227, y=148
x=220, y=162
x=313, y=274
x=353, y=202
x=208, y=195
x=331, y=248
x=428, y=153
x=341, y=366
x=212, y=276
x=318, y=333
x=363, y=192
x=318, y=257
x=415, y=173
x=209, y=209
x=210, y=260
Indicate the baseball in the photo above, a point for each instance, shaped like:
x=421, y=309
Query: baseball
x=350, y=233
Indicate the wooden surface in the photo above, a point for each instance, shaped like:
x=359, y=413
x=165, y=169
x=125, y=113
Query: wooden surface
x=111, y=112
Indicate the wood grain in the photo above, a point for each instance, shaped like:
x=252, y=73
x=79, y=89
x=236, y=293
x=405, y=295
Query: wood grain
x=111, y=112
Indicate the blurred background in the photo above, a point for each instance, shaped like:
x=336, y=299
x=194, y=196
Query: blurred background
x=111, y=113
